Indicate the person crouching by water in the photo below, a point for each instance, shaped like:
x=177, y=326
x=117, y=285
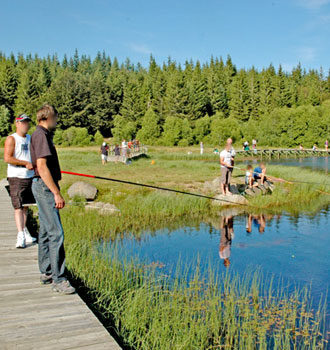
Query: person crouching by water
x=226, y=160
x=46, y=191
x=259, y=173
x=227, y=234
x=249, y=178
x=19, y=174
x=104, y=152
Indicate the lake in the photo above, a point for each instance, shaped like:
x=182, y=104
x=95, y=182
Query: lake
x=315, y=163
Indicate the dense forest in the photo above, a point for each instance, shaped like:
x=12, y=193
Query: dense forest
x=167, y=104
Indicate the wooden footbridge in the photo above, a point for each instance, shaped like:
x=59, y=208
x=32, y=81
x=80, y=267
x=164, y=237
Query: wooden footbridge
x=131, y=154
x=32, y=316
x=282, y=152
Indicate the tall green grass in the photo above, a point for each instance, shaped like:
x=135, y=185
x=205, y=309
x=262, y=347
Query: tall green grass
x=153, y=311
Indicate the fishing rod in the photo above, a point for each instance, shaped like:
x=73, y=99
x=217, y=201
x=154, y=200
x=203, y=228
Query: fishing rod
x=289, y=181
x=149, y=186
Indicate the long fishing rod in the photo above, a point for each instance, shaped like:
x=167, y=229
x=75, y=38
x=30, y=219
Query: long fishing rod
x=149, y=186
x=289, y=181
x=279, y=179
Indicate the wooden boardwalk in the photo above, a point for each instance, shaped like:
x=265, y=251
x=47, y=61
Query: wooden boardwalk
x=32, y=316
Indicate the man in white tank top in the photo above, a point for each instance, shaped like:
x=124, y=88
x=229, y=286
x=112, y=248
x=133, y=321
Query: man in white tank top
x=19, y=174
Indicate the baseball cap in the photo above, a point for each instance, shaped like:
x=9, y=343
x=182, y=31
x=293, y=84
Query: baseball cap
x=22, y=118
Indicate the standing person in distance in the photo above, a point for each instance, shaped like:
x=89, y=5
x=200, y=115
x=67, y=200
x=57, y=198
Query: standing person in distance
x=104, y=152
x=226, y=160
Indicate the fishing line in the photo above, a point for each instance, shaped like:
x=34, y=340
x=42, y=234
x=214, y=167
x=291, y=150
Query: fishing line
x=149, y=186
x=289, y=181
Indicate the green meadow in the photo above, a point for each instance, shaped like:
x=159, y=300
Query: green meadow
x=150, y=310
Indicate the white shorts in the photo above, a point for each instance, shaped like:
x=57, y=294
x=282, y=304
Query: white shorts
x=104, y=157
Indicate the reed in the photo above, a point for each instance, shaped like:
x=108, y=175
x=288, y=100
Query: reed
x=153, y=310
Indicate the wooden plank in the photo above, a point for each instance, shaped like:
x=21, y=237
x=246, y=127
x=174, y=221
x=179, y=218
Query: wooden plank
x=34, y=317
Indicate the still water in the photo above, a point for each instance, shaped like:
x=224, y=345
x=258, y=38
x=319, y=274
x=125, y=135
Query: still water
x=293, y=248
x=315, y=163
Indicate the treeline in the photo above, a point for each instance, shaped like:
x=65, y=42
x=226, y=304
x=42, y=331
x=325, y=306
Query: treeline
x=168, y=104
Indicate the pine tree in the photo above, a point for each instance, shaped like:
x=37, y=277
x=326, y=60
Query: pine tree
x=28, y=92
x=254, y=94
x=217, y=93
x=267, y=88
x=69, y=93
x=150, y=130
x=239, y=97
x=101, y=109
x=199, y=103
x=177, y=95
x=5, y=121
x=8, y=84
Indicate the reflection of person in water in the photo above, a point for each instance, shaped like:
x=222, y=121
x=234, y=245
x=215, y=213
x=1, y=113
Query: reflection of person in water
x=227, y=233
x=258, y=221
x=248, y=225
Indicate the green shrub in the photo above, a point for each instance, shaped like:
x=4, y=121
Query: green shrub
x=5, y=124
x=75, y=137
x=58, y=137
x=150, y=131
x=98, y=138
x=2, y=141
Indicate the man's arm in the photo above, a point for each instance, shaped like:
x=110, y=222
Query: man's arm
x=222, y=162
x=49, y=182
x=9, y=154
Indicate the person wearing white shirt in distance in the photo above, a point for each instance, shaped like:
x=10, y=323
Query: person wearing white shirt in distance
x=226, y=161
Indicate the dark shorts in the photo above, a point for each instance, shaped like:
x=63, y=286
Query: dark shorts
x=20, y=191
x=225, y=176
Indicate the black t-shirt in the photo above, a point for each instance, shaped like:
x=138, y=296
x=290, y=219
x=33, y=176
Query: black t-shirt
x=42, y=146
x=104, y=150
x=117, y=151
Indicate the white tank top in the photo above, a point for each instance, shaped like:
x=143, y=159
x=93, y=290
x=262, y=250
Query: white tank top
x=21, y=152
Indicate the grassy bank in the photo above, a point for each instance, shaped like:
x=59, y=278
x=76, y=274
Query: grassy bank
x=183, y=174
x=296, y=198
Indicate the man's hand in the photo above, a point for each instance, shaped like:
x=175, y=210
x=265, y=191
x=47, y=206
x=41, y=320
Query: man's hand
x=59, y=201
x=29, y=166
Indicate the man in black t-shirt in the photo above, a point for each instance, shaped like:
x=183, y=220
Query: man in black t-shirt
x=104, y=152
x=46, y=191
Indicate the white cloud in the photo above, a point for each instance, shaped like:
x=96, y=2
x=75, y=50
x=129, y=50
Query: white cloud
x=306, y=54
x=86, y=22
x=287, y=67
x=313, y=4
x=140, y=48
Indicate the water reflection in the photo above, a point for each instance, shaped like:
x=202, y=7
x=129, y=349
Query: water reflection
x=253, y=222
x=227, y=234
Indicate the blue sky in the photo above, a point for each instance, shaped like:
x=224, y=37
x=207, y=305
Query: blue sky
x=253, y=32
